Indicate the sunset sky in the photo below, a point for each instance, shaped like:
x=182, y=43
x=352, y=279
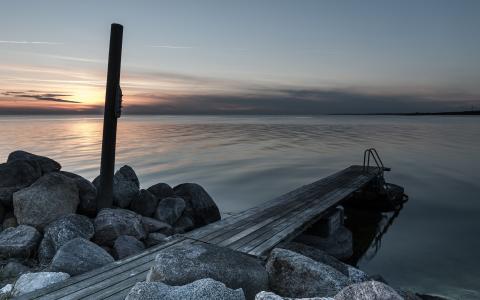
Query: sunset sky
x=272, y=57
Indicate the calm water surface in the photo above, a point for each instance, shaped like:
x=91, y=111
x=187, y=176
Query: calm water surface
x=433, y=246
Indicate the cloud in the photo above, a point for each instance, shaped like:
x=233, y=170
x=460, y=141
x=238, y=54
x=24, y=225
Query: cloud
x=30, y=42
x=171, y=47
x=294, y=101
x=54, y=97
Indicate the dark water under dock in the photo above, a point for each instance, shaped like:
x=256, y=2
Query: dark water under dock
x=432, y=246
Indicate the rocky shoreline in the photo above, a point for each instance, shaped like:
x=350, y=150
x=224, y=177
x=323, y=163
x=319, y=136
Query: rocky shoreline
x=51, y=230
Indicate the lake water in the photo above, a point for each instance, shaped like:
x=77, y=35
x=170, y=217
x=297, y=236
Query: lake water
x=433, y=246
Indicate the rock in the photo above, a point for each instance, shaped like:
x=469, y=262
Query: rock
x=338, y=245
x=125, y=186
x=273, y=296
x=199, y=205
x=79, y=256
x=126, y=245
x=14, y=176
x=183, y=224
x=155, y=238
x=145, y=203
x=153, y=225
x=59, y=232
x=87, y=194
x=161, y=190
x=202, y=289
x=183, y=264
x=355, y=275
x=293, y=275
x=9, y=222
x=6, y=291
x=407, y=295
x=52, y=196
x=46, y=164
x=368, y=290
x=112, y=223
x=20, y=241
x=12, y=270
x=30, y=282
x=170, y=209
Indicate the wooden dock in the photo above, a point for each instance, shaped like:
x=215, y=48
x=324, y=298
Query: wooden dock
x=255, y=231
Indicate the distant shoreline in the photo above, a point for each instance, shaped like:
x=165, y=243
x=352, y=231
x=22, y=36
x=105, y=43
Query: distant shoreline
x=446, y=113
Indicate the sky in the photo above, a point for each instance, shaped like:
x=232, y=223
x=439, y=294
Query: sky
x=242, y=57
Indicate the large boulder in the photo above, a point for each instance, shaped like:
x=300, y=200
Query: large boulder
x=125, y=186
x=20, y=242
x=145, y=203
x=30, y=282
x=293, y=275
x=87, y=194
x=339, y=244
x=170, y=209
x=184, y=224
x=202, y=289
x=272, y=296
x=161, y=190
x=126, y=245
x=199, y=205
x=355, y=275
x=111, y=223
x=155, y=238
x=153, y=225
x=46, y=164
x=16, y=175
x=79, y=256
x=183, y=264
x=52, y=196
x=368, y=290
x=59, y=232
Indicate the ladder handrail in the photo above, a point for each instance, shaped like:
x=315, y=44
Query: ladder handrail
x=376, y=157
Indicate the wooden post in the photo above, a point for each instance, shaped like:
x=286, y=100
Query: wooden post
x=113, y=97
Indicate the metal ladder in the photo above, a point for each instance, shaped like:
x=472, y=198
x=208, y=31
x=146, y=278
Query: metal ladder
x=372, y=152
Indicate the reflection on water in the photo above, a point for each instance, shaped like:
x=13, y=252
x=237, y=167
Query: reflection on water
x=242, y=161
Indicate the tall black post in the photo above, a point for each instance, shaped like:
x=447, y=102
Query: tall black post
x=112, y=112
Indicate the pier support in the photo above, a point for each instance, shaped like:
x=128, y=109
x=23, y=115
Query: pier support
x=113, y=98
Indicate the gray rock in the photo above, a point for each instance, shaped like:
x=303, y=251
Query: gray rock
x=170, y=209
x=272, y=296
x=87, y=194
x=199, y=205
x=355, y=275
x=112, y=223
x=186, y=263
x=202, y=289
x=46, y=164
x=126, y=245
x=79, y=256
x=20, y=242
x=14, y=176
x=13, y=269
x=161, y=190
x=293, y=275
x=59, y=232
x=367, y=291
x=5, y=292
x=338, y=245
x=183, y=224
x=155, y=238
x=52, y=196
x=30, y=282
x=145, y=203
x=9, y=222
x=153, y=225
x=125, y=186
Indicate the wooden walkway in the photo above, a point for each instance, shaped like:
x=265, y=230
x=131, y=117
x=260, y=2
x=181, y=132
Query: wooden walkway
x=255, y=232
